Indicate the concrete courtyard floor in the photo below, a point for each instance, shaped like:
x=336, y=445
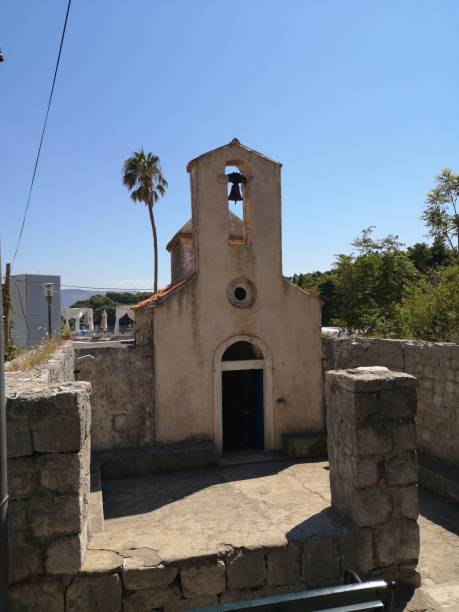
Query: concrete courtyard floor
x=170, y=517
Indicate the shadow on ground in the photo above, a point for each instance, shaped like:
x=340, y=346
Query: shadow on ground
x=139, y=495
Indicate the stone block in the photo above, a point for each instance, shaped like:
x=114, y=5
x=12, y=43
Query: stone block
x=94, y=594
x=25, y=558
x=41, y=595
x=374, y=438
x=405, y=436
x=400, y=402
x=368, y=507
x=177, y=605
x=17, y=515
x=203, y=579
x=60, y=417
x=402, y=469
x=22, y=478
x=101, y=562
x=137, y=575
x=246, y=569
x=63, y=472
x=405, y=501
x=369, y=379
x=55, y=515
x=397, y=542
x=238, y=595
x=66, y=555
x=364, y=405
x=283, y=566
x=147, y=600
x=357, y=550
x=321, y=561
x=19, y=438
x=366, y=473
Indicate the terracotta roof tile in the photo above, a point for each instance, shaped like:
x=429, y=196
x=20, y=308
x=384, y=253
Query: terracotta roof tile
x=162, y=293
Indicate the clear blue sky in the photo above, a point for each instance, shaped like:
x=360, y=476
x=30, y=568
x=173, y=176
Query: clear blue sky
x=358, y=100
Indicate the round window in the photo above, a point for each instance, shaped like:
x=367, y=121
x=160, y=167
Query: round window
x=241, y=293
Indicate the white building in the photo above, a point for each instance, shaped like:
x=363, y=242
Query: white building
x=30, y=308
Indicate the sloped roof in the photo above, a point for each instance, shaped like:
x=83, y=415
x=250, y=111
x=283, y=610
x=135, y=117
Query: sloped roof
x=162, y=293
x=233, y=142
x=186, y=231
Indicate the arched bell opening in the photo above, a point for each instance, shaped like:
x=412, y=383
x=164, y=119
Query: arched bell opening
x=238, y=175
x=243, y=419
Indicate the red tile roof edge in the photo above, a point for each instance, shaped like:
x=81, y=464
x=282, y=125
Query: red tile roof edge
x=165, y=291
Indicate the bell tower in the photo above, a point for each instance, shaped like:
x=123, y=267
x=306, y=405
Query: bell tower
x=221, y=253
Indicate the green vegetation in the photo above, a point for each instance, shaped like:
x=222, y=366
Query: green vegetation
x=109, y=302
x=441, y=209
x=142, y=175
x=381, y=289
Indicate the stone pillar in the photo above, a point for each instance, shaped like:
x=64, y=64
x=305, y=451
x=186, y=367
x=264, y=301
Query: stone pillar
x=48, y=464
x=373, y=465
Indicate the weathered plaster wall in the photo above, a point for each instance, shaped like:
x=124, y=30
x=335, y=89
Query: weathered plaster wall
x=189, y=325
x=122, y=395
x=181, y=259
x=48, y=473
x=436, y=365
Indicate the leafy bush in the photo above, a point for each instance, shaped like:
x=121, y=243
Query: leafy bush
x=430, y=311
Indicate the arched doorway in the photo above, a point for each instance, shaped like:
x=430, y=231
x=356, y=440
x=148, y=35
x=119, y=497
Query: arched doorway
x=243, y=395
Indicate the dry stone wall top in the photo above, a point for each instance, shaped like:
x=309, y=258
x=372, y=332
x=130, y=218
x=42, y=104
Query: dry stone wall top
x=435, y=365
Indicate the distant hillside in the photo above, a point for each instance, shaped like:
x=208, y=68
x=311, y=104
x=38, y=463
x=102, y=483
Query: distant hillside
x=70, y=296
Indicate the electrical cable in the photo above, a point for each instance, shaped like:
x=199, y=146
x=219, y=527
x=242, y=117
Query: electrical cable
x=42, y=135
x=130, y=289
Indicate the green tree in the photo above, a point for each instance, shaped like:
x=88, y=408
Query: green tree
x=371, y=283
x=426, y=257
x=441, y=209
x=430, y=310
x=143, y=176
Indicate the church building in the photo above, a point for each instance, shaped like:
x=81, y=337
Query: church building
x=236, y=346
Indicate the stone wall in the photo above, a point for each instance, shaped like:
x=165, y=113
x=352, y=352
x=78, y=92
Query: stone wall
x=48, y=430
x=110, y=582
x=373, y=464
x=436, y=365
x=59, y=368
x=122, y=400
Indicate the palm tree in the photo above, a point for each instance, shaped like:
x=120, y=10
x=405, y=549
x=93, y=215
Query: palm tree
x=143, y=176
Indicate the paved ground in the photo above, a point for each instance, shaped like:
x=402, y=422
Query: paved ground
x=174, y=517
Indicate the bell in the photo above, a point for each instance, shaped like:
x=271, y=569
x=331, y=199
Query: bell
x=235, y=194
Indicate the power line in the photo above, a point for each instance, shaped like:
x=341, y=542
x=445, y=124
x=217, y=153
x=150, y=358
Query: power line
x=23, y=280
x=42, y=134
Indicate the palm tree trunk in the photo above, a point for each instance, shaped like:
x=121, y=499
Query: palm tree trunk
x=155, y=247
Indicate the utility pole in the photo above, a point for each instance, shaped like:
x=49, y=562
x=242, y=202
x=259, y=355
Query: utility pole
x=6, y=314
x=4, y=568
x=4, y=599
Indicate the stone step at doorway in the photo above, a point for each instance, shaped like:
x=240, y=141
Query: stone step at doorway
x=247, y=457
x=142, y=461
